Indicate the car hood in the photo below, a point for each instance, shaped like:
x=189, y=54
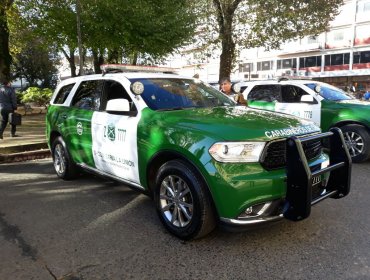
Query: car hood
x=239, y=123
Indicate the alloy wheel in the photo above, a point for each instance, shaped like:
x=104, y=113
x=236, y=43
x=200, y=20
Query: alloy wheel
x=176, y=201
x=59, y=159
x=355, y=143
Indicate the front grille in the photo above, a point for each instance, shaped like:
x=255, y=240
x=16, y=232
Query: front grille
x=274, y=155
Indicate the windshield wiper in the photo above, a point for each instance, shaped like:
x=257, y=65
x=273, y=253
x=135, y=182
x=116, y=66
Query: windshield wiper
x=173, y=109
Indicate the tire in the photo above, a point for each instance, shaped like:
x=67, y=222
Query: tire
x=183, y=202
x=357, y=139
x=64, y=166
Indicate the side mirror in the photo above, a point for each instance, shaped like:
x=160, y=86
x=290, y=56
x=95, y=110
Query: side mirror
x=317, y=88
x=118, y=105
x=307, y=98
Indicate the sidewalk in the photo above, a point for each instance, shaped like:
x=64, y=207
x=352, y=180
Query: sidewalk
x=31, y=141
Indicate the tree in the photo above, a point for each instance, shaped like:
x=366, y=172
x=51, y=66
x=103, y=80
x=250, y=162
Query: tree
x=5, y=57
x=268, y=23
x=33, y=59
x=41, y=97
x=37, y=64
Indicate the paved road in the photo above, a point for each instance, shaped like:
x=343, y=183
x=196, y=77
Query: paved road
x=91, y=228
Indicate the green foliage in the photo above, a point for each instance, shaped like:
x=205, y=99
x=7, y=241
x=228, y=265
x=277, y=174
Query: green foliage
x=125, y=27
x=40, y=97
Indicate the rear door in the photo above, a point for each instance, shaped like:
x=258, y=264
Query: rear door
x=85, y=102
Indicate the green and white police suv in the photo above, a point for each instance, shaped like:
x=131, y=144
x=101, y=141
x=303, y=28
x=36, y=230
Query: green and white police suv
x=322, y=103
x=203, y=159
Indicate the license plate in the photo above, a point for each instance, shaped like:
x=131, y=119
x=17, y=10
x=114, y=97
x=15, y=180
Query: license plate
x=316, y=180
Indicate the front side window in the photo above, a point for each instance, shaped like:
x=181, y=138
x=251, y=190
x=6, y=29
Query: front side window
x=291, y=94
x=267, y=93
x=330, y=93
x=88, y=95
x=115, y=90
x=174, y=94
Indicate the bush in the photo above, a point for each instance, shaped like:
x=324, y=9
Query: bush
x=40, y=97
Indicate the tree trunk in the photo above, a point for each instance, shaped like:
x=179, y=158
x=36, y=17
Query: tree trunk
x=113, y=56
x=5, y=57
x=225, y=11
x=79, y=38
x=98, y=60
x=71, y=60
x=227, y=56
x=135, y=57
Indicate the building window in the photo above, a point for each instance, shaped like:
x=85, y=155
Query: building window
x=286, y=63
x=338, y=36
x=264, y=65
x=337, y=59
x=361, y=57
x=363, y=7
x=245, y=67
x=310, y=61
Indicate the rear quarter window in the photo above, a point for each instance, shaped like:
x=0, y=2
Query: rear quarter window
x=267, y=93
x=63, y=94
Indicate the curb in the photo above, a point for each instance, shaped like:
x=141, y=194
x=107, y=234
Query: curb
x=24, y=156
x=24, y=153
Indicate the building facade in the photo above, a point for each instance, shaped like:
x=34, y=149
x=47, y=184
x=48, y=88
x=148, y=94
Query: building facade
x=340, y=56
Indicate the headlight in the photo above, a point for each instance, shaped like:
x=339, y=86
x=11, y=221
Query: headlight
x=237, y=151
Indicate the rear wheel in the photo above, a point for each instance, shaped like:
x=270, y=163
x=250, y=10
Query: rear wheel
x=183, y=203
x=357, y=139
x=63, y=163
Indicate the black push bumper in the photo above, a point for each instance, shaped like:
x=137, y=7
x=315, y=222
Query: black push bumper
x=300, y=178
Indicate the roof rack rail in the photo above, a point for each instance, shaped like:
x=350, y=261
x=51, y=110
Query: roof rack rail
x=117, y=68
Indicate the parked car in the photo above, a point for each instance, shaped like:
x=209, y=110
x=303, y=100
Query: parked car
x=203, y=159
x=322, y=103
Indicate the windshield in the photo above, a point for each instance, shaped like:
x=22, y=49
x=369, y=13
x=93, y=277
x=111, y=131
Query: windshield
x=176, y=93
x=330, y=93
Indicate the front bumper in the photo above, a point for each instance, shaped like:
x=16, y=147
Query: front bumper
x=302, y=187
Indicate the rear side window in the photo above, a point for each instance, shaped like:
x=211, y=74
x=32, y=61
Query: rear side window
x=63, y=94
x=267, y=93
x=88, y=95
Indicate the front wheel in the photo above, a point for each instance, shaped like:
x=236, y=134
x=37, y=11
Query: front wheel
x=63, y=164
x=182, y=200
x=357, y=139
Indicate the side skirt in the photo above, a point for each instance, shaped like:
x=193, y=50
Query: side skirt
x=130, y=184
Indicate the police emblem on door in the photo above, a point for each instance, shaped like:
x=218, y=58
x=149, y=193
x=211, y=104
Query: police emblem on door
x=110, y=132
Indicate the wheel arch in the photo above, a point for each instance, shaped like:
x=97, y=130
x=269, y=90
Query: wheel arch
x=53, y=135
x=347, y=122
x=164, y=156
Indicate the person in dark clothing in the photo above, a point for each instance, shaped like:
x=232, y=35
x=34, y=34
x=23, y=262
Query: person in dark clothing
x=8, y=104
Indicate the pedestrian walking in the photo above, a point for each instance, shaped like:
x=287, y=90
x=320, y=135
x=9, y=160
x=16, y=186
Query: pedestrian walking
x=8, y=104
